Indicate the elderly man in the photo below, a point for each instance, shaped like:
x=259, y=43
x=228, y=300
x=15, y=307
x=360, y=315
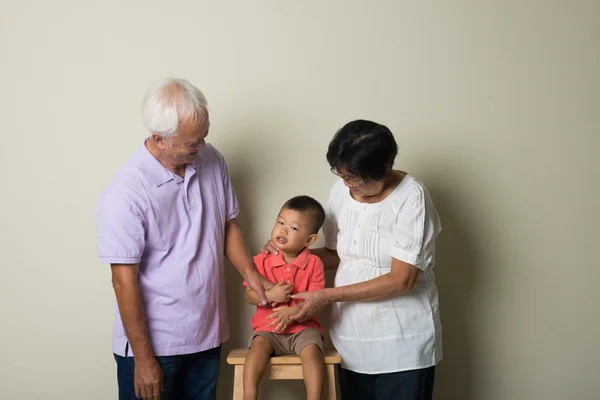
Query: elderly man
x=165, y=223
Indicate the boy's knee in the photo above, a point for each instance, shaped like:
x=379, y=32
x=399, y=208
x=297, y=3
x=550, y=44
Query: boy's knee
x=261, y=343
x=311, y=350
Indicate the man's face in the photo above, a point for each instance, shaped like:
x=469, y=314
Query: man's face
x=184, y=147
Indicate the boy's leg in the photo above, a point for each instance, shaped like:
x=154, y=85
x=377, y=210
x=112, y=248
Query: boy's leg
x=308, y=344
x=254, y=367
x=313, y=370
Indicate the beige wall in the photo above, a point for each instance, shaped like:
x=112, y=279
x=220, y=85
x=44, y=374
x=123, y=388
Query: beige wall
x=495, y=107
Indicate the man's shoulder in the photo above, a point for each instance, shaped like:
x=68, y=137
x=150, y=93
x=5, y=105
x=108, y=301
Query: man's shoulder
x=127, y=184
x=210, y=154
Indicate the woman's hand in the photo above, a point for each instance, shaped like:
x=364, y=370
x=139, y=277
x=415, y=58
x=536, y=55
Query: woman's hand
x=312, y=304
x=269, y=248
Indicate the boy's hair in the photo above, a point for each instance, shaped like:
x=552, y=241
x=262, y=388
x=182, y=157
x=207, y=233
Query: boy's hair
x=307, y=203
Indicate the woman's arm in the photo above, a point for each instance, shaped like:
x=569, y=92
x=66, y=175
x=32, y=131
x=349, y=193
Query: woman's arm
x=329, y=257
x=400, y=279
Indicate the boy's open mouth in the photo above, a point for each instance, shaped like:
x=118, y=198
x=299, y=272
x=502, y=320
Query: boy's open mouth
x=281, y=240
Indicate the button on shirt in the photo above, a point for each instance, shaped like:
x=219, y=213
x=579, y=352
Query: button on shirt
x=306, y=273
x=174, y=228
x=403, y=332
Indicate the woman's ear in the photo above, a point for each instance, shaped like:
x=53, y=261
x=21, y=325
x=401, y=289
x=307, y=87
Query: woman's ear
x=311, y=240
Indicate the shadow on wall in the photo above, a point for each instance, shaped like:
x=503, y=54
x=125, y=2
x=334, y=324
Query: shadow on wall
x=456, y=273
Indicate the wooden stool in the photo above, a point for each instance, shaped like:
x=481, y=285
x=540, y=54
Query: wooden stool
x=283, y=367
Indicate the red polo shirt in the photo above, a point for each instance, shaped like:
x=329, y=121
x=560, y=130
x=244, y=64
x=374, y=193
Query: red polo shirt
x=305, y=273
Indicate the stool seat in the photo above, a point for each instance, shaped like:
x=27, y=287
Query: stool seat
x=283, y=367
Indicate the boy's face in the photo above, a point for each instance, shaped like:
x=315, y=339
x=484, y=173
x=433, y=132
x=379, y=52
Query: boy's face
x=293, y=231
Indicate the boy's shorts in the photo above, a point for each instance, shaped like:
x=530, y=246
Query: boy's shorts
x=290, y=343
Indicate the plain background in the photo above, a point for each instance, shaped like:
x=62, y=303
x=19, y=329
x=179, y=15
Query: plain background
x=495, y=106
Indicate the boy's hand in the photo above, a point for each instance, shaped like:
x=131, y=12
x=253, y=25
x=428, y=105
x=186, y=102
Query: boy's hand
x=281, y=317
x=279, y=293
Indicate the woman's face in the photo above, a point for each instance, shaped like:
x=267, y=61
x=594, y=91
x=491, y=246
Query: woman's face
x=359, y=186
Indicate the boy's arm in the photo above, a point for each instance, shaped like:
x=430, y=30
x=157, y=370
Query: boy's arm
x=252, y=297
x=279, y=293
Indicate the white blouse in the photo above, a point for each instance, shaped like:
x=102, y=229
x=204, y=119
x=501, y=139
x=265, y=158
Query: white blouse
x=403, y=332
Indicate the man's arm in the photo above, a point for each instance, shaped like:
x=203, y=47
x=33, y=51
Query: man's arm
x=236, y=252
x=279, y=293
x=148, y=374
x=129, y=300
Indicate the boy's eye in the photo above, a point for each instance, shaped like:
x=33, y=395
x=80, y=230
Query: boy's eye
x=294, y=228
x=280, y=223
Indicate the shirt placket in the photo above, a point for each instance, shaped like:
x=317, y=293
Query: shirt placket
x=288, y=274
x=358, y=232
x=189, y=194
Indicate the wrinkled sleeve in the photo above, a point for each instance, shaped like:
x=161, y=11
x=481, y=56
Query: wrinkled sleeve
x=231, y=202
x=416, y=227
x=121, y=234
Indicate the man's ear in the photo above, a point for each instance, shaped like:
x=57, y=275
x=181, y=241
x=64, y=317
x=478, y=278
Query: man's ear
x=311, y=240
x=160, y=141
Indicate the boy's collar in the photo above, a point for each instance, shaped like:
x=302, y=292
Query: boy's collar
x=301, y=261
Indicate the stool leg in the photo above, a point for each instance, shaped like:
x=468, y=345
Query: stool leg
x=238, y=382
x=329, y=392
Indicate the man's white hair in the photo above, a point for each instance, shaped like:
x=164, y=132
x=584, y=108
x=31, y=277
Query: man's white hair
x=171, y=102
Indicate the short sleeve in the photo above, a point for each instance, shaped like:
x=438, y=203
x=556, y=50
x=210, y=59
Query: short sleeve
x=317, y=278
x=332, y=209
x=259, y=263
x=121, y=233
x=231, y=202
x=415, y=229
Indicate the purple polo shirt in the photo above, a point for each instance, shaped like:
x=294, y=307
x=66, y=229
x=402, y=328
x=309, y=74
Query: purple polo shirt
x=174, y=228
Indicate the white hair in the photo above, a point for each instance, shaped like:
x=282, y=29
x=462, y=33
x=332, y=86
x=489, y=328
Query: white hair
x=171, y=102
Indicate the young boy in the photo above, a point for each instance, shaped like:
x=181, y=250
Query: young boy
x=295, y=270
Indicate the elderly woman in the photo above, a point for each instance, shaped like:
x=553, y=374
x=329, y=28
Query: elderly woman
x=380, y=235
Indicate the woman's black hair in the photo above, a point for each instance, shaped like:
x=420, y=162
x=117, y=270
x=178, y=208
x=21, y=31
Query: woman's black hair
x=363, y=148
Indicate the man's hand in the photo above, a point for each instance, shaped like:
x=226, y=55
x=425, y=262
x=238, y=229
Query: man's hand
x=279, y=293
x=312, y=304
x=269, y=248
x=259, y=284
x=281, y=317
x=148, y=379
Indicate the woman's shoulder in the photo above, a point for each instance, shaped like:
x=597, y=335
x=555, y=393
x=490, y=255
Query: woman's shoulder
x=338, y=190
x=410, y=191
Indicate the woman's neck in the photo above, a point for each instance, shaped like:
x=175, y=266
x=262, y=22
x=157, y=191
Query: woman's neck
x=390, y=182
